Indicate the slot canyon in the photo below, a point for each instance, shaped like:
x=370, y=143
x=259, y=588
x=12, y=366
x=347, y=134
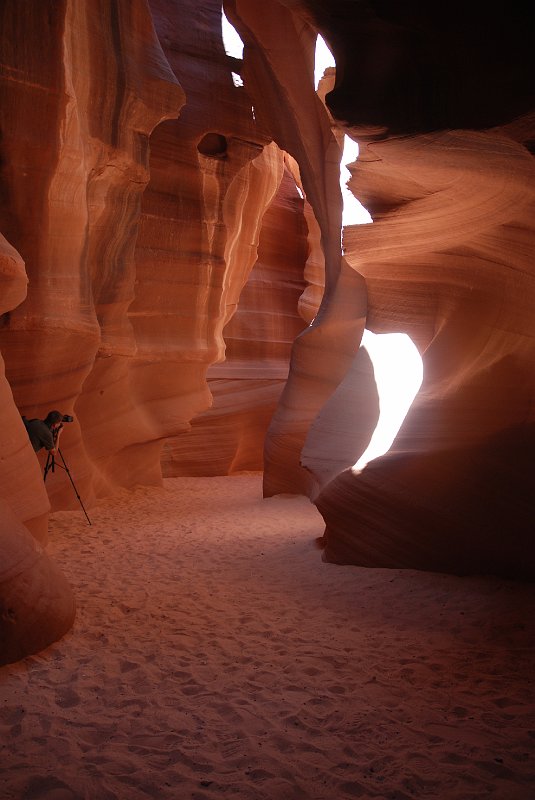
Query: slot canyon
x=176, y=276
x=165, y=283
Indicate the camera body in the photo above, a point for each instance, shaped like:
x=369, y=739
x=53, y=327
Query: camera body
x=67, y=418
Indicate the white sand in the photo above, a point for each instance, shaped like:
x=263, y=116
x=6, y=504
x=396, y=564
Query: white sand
x=215, y=655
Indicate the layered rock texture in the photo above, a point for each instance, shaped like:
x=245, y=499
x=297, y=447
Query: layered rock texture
x=165, y=283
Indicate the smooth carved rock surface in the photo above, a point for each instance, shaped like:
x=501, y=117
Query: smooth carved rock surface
x=448, y=260
x=278, y=69
x=246, y=386
x=37, y=603
x=134, y=254
x=446, y=511
x=451, y=266
x=151, y=229
x=78, y=105
x=81, y=88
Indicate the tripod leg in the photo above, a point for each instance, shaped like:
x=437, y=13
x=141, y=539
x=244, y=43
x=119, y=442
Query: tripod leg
x=73, y=486
x=50, y=464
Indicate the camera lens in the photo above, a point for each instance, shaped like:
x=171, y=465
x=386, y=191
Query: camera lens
x=67, y=418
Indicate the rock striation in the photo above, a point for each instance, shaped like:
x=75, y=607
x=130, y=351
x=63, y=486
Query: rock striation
x=246, y=385
x=82, y=86
x=446, y=170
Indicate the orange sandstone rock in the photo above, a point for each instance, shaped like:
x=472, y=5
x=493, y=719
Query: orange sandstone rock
x=81, y=88
x=36, y=602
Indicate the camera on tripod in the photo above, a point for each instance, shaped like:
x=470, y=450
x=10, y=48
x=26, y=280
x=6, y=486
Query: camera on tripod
x=57, y=419
x=56, y=429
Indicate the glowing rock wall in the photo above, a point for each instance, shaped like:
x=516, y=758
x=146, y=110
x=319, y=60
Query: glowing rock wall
x=135, y=181
x=444, y=117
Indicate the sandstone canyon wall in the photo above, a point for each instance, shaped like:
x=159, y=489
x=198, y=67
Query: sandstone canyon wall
x=441, y=101
x=446, y=127
x=164, y=282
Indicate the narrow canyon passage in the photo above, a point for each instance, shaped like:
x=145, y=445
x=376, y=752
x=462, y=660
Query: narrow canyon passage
x=215, y=654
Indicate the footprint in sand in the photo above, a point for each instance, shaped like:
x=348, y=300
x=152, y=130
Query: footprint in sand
x=67, y=698
x=43, y=787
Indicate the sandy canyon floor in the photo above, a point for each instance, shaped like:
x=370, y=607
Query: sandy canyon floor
x=215, y=654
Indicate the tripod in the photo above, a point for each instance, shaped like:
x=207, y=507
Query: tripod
x=51, y=465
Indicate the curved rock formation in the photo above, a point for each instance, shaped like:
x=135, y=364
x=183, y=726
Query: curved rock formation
x=447, y=172
x=278, y=69
x=81, y=87
x=79, y=100
x=36, y=602
x=21, y=479
x=135, y=256
x=465, y=510
x=447, y=261
x=450, y=266
x=246, y=386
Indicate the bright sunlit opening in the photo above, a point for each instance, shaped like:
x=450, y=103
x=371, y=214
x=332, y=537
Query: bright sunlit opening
x=396, y=362
x=324, y=59
x=231, y=38
x=353, y=212
x=398, y=374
